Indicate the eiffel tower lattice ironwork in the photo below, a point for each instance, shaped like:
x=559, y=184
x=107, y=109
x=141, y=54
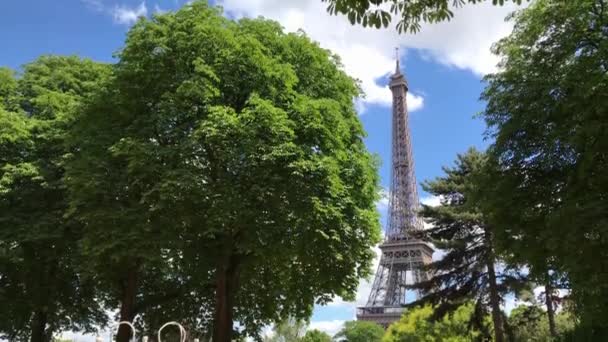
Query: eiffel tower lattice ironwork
x=402, y=255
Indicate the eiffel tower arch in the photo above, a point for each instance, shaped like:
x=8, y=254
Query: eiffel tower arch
x=402, y=255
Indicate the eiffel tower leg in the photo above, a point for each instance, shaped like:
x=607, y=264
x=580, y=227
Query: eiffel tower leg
x=379, y=285
x=402, y=286
x=391, y=287
x=416, y=279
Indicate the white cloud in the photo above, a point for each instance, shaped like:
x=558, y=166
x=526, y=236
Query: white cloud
x=432, y=201
x=127, y=15
x=330, y=327
x=382, y=203
x=414, y=102
x=367, y=54
x=465, y=41
x=368, y=64
x=80, y=337
x=158, y=9
x=96, y=5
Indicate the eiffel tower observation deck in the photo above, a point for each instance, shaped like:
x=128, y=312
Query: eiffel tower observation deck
x=402, y=255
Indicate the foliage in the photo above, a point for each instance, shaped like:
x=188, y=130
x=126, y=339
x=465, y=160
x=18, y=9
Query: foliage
x=547, y=112
x=294, y=331
x=468, y=272
x=410, y=13
x=360, y=331
x=224, y=163
x=530, y=323
x=8, y=89
x=417, y=325
x=315, y=336
x=582, y=333
x=42, y=289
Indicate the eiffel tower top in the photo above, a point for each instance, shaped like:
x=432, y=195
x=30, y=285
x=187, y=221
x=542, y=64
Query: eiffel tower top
x=398, y=79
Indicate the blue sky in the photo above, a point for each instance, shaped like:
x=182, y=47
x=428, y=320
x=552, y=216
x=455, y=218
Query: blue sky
x=444, y=65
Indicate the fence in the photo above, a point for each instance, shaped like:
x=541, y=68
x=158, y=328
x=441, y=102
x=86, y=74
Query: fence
x=182, y=332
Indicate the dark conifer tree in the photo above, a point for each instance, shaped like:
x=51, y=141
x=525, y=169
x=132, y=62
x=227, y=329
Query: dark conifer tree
x=470, y=271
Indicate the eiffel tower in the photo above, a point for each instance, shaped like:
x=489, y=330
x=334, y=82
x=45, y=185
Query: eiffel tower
x=402, y=254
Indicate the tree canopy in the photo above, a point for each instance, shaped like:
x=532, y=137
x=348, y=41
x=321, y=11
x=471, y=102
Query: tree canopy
x=409, y=14
x=213, y=170
x=316, y=336
x=291, y=330
x=360, y=331
x=530, y=323
x=546, y=109
x=42, y=287
x=417, y=325
x=224, y=163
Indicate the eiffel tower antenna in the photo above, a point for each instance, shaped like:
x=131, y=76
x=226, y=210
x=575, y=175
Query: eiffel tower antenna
x=397, y=69
x=403, y=254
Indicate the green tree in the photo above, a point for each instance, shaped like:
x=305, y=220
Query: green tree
x=530, y=323
x=316, y=336
x=42, y=287
x=468, y=271
x=15, y=144
x=8, y=89
x=224, y=162
x=294, y=331
x=546, y=109
x=409, y=13
x=418, y=324
x=360, y=331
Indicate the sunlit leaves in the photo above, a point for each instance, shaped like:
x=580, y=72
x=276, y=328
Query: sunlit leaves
x=546, y=110
x=409, y=14
x=360, y=331
x=417, y=324
x=41, y=283
x=226, y=140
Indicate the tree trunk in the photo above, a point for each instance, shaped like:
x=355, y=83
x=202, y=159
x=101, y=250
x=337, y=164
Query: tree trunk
x=226, y=285
x=39, y=333
x=39, y=288
x=508, y=329
x=550, y=308
x=499, y=334
x=127, y=305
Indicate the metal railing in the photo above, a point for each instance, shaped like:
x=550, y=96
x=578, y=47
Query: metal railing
x=182, y=332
